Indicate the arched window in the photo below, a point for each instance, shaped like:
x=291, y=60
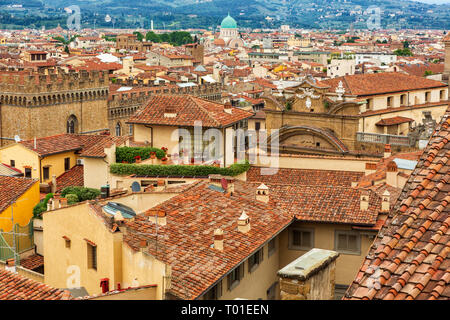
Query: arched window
x=72, y=124
x=118, y=129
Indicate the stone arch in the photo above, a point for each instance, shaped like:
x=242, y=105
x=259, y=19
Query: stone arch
x=118, y=129
x=72, y=124
x=287, y=136
x=352, y=108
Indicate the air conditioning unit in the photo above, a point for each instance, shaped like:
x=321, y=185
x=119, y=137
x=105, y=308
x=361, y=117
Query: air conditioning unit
x=80, y=162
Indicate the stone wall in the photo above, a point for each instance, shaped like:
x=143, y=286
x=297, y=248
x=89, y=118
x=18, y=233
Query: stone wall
x=310, y=277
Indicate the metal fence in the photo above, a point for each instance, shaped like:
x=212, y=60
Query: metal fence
x=385, y=139
x=23, y=241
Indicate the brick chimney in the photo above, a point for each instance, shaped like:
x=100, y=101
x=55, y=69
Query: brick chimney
x=391, y=174
x=310, y=277
x=157, y=216
x=228, y=108
x=63, y=202
x=385, y=201
x=364, y=200
x=11, y=265
x=244, y=223
x=387, y=151
x=262, y=193
x=218, y=239
x=370, y=168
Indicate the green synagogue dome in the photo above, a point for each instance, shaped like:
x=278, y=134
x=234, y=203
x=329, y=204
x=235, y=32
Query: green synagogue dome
x=228, y=23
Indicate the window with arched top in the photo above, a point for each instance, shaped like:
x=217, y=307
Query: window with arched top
x=118, y=129
x=72, y=124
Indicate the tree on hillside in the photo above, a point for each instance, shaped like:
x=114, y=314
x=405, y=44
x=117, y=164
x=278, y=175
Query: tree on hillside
x=153, y=37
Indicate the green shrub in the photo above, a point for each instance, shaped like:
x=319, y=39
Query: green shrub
x=177, y=170
x=42, y=206
x=72, y=198
x=128, y=154
x=82, y=193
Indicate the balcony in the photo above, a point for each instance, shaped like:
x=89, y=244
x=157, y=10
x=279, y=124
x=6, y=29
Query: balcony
x=385, y=139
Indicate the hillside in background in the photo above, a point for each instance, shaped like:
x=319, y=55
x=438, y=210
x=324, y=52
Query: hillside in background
x=178, y=14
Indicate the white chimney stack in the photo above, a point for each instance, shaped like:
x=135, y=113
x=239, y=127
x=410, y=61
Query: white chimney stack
x=244, y=223
x=385, y=203
x=391, y=174
x=218, y=239
x=262, y=193
x=364, y=200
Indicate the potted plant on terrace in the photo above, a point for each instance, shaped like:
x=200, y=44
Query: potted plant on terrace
x=137, y=159
x=164, y=160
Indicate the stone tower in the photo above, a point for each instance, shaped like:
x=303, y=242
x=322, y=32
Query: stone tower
x=39, y=105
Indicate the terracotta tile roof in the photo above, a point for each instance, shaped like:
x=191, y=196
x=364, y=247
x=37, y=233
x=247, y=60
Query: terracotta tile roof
x=318, y=196
x=393, y=121
x=32, y=262
x=381, y=168
x=67, y=142
x=420, y=69
x=403, y=108
x=12, y=188
x=305, y=177
x=97, y=150
x=71, y=178
x=185, y=241
x=409, y=259
x=188, y=109
x=381, y=83
x=16, y=287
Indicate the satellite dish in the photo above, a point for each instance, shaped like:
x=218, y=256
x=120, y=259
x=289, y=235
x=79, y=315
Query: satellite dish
x=17, y=138
x=135, y=187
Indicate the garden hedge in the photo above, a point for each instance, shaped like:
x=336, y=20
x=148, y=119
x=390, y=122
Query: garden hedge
x=128, y=154
x=124, y=169
x=82, y=193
